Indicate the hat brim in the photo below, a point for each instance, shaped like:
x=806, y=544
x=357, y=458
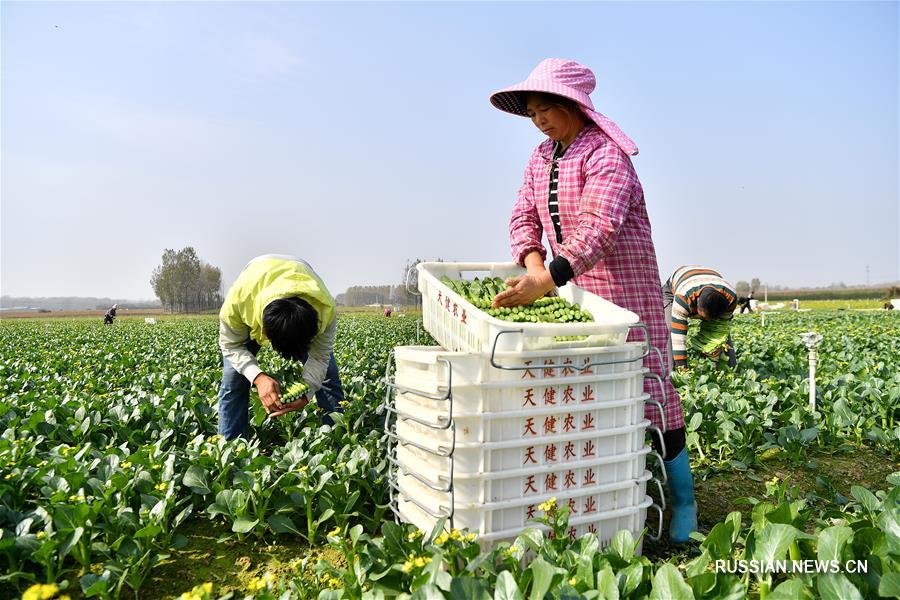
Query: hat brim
x=512, y=99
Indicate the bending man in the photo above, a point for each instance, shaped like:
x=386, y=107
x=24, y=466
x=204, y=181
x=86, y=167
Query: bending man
x=278, y=299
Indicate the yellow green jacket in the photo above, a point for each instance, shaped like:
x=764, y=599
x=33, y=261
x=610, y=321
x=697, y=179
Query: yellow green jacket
x=264, y=279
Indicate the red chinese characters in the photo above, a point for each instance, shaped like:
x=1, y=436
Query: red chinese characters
x=550, y=396
x=571, y=503
x=530, y=487
x=463, y=319
x=527, y=374
x=569, y=451
x=455, y=309
x=529, y=427
x=550, y=482
x=568, y=395
x=572, y=534
x=587, y=395
x=590, y=505
x=529, y=456
x=567, y=370
x=529, y=398
x=590, y=478
x=550, y=453
x=549, y=372
x=569, y=423
x=585, y=370
x=530, y=513
x=592, y=528
x=588, y=421
x=550, y=424
x=589, y=449
x=570, y=479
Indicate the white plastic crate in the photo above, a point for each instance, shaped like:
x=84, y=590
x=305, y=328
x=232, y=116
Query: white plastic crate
x=605, y=525
x=548, y=478
x=482, y=457
x=458, y=325
x=509, y=425
x=520, y=395
x=488, y=517
x=466, y=368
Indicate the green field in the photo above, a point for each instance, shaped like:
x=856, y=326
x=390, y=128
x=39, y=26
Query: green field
x=113, y=483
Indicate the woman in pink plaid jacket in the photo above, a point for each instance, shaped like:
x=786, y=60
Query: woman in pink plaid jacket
x=581, y=189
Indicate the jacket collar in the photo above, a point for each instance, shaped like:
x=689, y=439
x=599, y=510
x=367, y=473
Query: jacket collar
x=587, y=139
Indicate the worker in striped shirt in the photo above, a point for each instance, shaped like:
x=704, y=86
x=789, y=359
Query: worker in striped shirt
x=694, y=292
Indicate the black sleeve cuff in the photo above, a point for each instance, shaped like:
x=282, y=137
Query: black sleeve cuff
x=561, y=271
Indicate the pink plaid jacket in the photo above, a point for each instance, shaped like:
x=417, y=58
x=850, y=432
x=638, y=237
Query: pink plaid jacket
x=606, y=239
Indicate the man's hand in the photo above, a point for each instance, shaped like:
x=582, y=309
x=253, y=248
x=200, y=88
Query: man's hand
x=715, y=353
x=269, y=392
x=283, y=409
x=524, y=289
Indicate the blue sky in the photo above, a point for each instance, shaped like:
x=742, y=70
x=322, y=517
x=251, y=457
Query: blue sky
x=359, y=135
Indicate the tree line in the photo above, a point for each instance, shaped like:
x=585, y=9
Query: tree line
x=184, y=283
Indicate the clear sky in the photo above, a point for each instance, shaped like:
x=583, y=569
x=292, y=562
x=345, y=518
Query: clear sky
x=360, y=135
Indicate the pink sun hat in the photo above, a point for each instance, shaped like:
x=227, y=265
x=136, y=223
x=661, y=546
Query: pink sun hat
x=565, y=78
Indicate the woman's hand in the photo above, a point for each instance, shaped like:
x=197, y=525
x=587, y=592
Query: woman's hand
x=524, y=289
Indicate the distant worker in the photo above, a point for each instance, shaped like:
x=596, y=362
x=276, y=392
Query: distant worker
x=744, y=302
x=387, y=311
x=110, y=315
x=277, y=299
x=694, y=292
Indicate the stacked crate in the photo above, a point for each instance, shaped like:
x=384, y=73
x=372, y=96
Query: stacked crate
x=504, y=416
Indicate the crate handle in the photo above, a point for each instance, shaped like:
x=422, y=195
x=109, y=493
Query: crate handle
x=424, y=508
x=662, y=496
x=662, y=413
x=409, y=272
x=662, y=364
x=662, y=442
x=662, y=466
x=575, y=367
x=662, y=387
x=443, y=489
x=658, y=531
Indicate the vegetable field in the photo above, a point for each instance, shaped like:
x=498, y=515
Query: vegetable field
x=114, y=484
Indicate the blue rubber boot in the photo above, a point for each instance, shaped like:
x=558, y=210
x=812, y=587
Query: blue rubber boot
x=681, y=498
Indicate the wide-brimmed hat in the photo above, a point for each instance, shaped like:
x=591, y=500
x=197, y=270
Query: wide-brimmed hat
x=565, y=78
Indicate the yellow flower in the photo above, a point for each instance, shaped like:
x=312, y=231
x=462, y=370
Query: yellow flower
x=407, y=566
x=415, y=535
x=126, y=465
x=162, y=486
x=9, y=476
x=41, y=535
x=76, y=498
x=442, y=539
x=207, y=587
x=336, y=532
x=421, y=561
x=511, y=550
x=40, y=591
x=97, y=568
x=548, y=506
x=471, y=537
x=573, y=581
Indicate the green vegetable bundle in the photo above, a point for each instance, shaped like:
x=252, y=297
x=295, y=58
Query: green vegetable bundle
x=550, y=309
x=711, y=336
x=288, y=373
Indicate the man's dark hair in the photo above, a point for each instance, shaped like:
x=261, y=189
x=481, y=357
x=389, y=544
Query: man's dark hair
x=712, y=302
x=290, y=324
